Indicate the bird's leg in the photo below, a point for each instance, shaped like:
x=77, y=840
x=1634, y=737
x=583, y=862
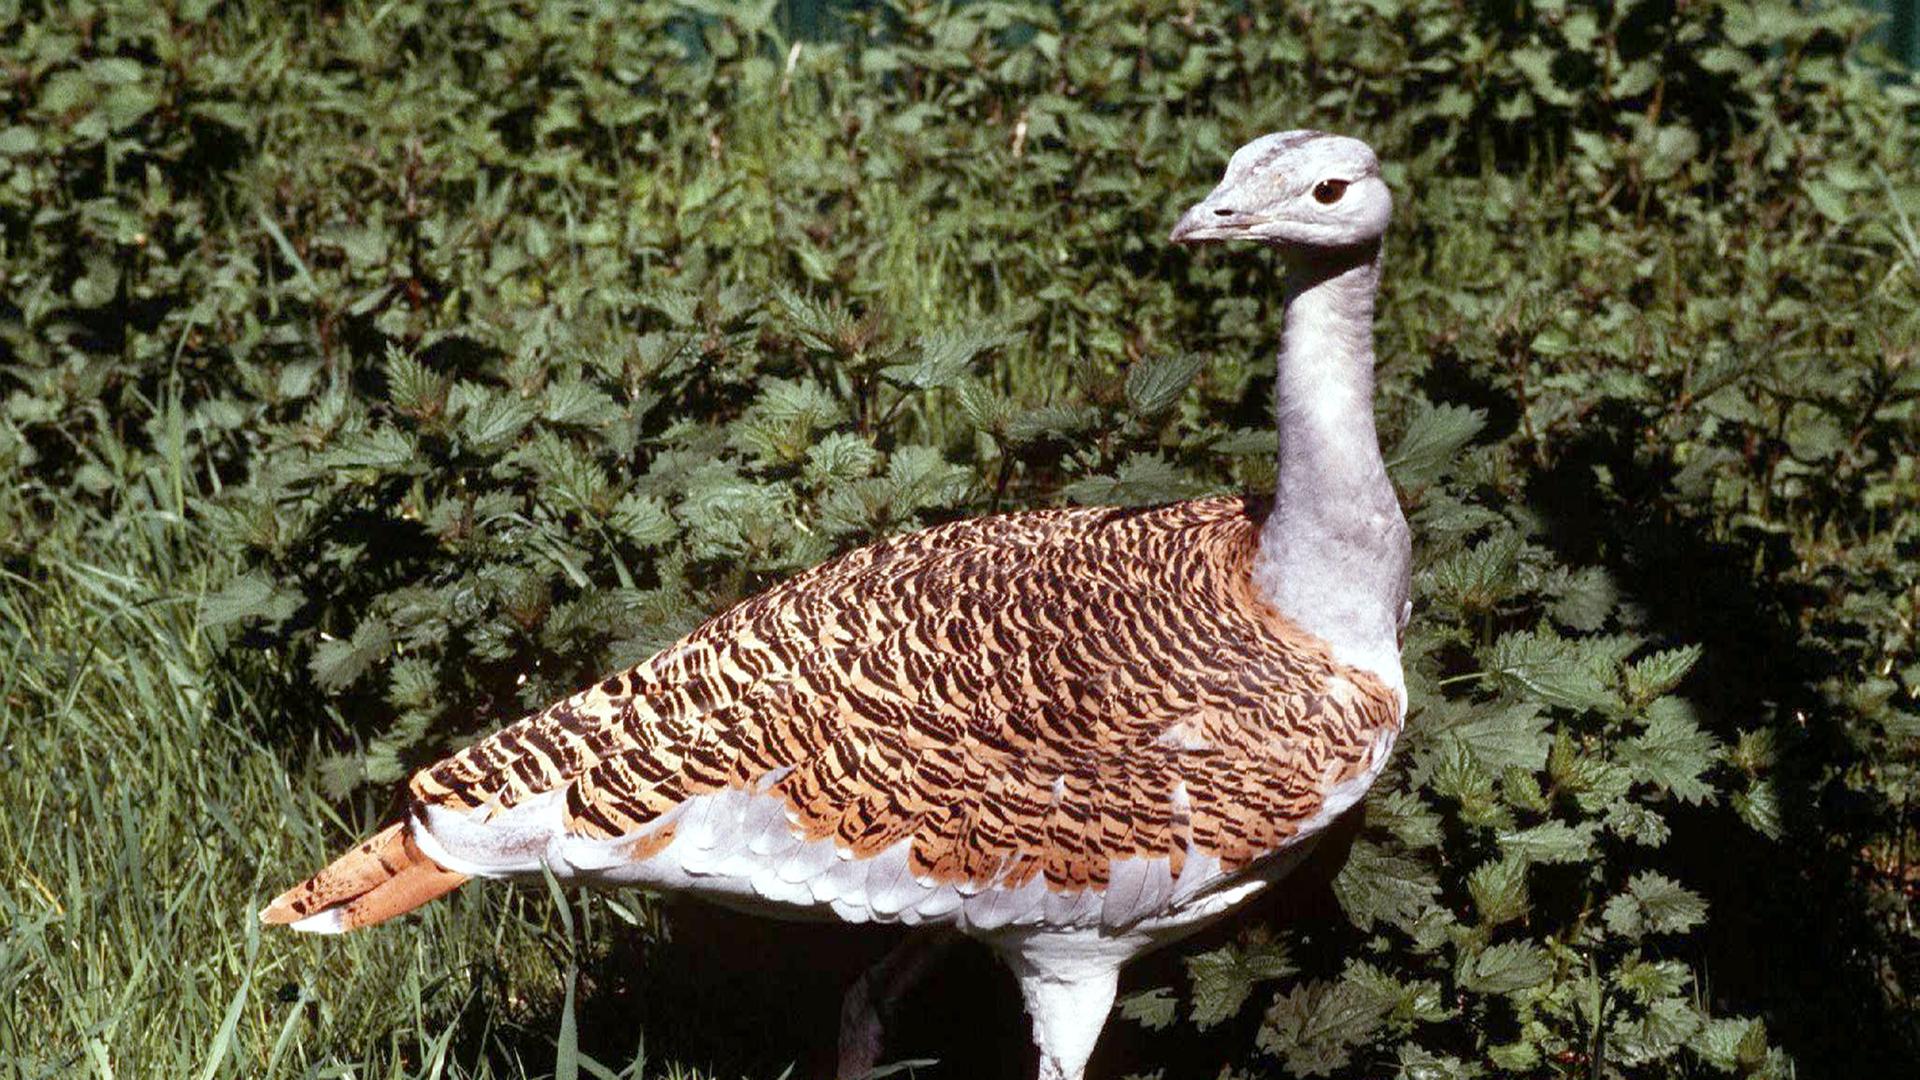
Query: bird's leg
x=1068, y=997
x=871, y=999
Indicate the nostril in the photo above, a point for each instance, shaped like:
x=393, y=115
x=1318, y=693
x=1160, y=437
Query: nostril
x=1224, y=213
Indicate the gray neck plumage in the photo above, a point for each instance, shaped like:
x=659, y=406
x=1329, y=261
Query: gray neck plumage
x=1334, y=551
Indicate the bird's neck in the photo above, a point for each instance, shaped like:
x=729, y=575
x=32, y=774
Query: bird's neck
x=1334, y=552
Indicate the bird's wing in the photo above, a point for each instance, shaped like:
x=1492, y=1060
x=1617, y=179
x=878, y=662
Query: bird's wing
x=1073, y=716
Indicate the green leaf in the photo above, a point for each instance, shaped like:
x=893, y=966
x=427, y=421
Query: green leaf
x=1314, y=1027
x=1154, y=1009
x=338, y=663
x=840, y=456
x=1224, y=978
x=1654, y=675
x=1499, y=890
x=1156, y=384
x=493, y=421
x=252, y=595
x=644, y=520
x=1376, y=886
x=1654, y=904
x=576, y=402
x=1550, y=669
x=412, y=387
x=1730, y=1044
x=944, y=358
x=822, y=325
x=572, y=479
x=1582, y=599
x=1507, y=968
x=1062, y=422
x=1650, y=980
x=1551, y=842
x=1502, y=738
x=383, y=448
x=1143, y=480
x=1759, y=806
x=1417, y=1063
x=18, y=141
x=785, y=421
x=921, y=478
x=1590, y=778
x=1657, y=1034
x=1673, y=752
x=1432, y=442
x=1481, y=577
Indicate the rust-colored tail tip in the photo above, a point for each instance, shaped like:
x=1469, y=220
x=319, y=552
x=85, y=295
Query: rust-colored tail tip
x=385, y=876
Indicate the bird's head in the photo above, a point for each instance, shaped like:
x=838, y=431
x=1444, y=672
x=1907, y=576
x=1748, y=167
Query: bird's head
x=1299, y=191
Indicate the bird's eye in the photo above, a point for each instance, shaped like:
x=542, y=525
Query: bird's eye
x=1328, y=192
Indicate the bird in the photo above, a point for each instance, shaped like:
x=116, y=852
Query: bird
x=1075, y=734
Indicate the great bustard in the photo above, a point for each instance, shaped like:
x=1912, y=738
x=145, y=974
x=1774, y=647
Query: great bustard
x=1074, y=734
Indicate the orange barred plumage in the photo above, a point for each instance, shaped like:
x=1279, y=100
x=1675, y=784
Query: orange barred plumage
x=1040, y=693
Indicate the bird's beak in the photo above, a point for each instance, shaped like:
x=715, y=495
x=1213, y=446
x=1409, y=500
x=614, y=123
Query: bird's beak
x=1212, y=218
x=1191, y=223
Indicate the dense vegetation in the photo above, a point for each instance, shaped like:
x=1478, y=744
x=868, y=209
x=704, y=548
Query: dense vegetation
x=376, y=372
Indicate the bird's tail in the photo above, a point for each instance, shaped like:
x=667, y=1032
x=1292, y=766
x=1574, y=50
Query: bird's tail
x=387, y=875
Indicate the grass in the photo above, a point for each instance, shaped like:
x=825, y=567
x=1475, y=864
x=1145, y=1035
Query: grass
x=146, y=823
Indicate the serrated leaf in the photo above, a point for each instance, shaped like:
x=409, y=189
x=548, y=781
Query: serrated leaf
x=1505, y=738
x=921, y=478
x=1551, y=842
x=1481, y=577
x=1432, y=442
x=493, y=421
x=1550, y=669
x=1507, y=968
x=943, y=358
x=377, y=448
x=1654, y=675
x=338, y=663
x=1583, y=599
x=1224, y=978
x=822, y=325
x=1670, y=908
x=1759, y=806
x=1315, y=1025
x=571, y=479
x=840, y=456
x=1639, y=823
x=1248, y=442
x=1657, y=1033
x=412, y=387
x=1376, y=886
x=1653, y=904
x=643, y=519
x=1514, y=1057
x=1650, y=980
x=1499, y=890
x=573, y=401
x=785, y=421
x=1154, y=1009
x=1142, y=480
x=1156, y=384
x=1062, y=422
x=1729, y=1043
x=1673, y=752
x=250, y=596
x=1417, y=1063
